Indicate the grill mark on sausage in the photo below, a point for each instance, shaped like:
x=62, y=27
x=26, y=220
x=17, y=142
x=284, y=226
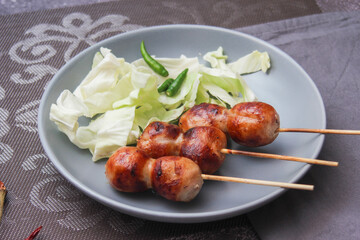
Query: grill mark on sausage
x=158, y=126
x=133, y=170
x=158, y=169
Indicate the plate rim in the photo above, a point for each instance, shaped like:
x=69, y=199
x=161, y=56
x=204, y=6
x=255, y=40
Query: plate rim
x=170, y=216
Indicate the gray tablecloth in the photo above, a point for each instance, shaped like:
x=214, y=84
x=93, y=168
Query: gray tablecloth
x=328, y=48
x=35, y=45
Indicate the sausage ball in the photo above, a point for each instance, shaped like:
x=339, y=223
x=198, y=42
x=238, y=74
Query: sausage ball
x=127, y=170
x=253, y=124
x=204, y=114
x=176, y=178
x=160, y=139
x=203, y=145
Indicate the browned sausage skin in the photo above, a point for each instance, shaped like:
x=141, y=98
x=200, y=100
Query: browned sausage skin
x=253, y=124
x=250, y=124
x=127, y=170
x=200, y=144
x=160, y=139
x=176, y=178
x=203, y=145
x=204, y=114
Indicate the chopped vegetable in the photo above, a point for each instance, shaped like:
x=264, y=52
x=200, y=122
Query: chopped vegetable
x=250, y=63
x=174, y=87
x=153, y=64
x=34, y=233
x=165, y=85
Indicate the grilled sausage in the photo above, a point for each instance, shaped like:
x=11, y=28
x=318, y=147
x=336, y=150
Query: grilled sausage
x=128, y=170
x=175, y=178
x=204, y=114
x=160, y=139
x=250, y=124
x=203, y=145
x=200, y=144
x=253, y=124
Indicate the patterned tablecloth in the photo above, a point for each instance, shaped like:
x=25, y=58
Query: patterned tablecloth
x=33, y=47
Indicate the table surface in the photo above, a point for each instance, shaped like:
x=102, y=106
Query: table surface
x=20, y=6
x=37, y=193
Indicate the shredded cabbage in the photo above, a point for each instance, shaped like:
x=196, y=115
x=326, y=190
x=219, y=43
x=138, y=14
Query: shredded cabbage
x=121, y=98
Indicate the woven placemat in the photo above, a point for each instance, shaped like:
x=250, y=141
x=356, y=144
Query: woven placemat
x=33, y=47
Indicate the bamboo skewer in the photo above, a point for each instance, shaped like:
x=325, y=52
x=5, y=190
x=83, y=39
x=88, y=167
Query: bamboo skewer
x=280, y=157
x=258, y=182
x=324, y=131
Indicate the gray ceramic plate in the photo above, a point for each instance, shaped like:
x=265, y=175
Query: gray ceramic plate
x=286, y=86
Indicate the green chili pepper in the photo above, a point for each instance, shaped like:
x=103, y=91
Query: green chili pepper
x=175, y=86
x=153, y=64
x=165, y=85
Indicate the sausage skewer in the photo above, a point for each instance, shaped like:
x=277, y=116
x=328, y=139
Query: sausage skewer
x=249, y=124
x=176, y=178
x=206, y=146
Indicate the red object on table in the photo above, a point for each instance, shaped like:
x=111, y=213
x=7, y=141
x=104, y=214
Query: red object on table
x=34, y=233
